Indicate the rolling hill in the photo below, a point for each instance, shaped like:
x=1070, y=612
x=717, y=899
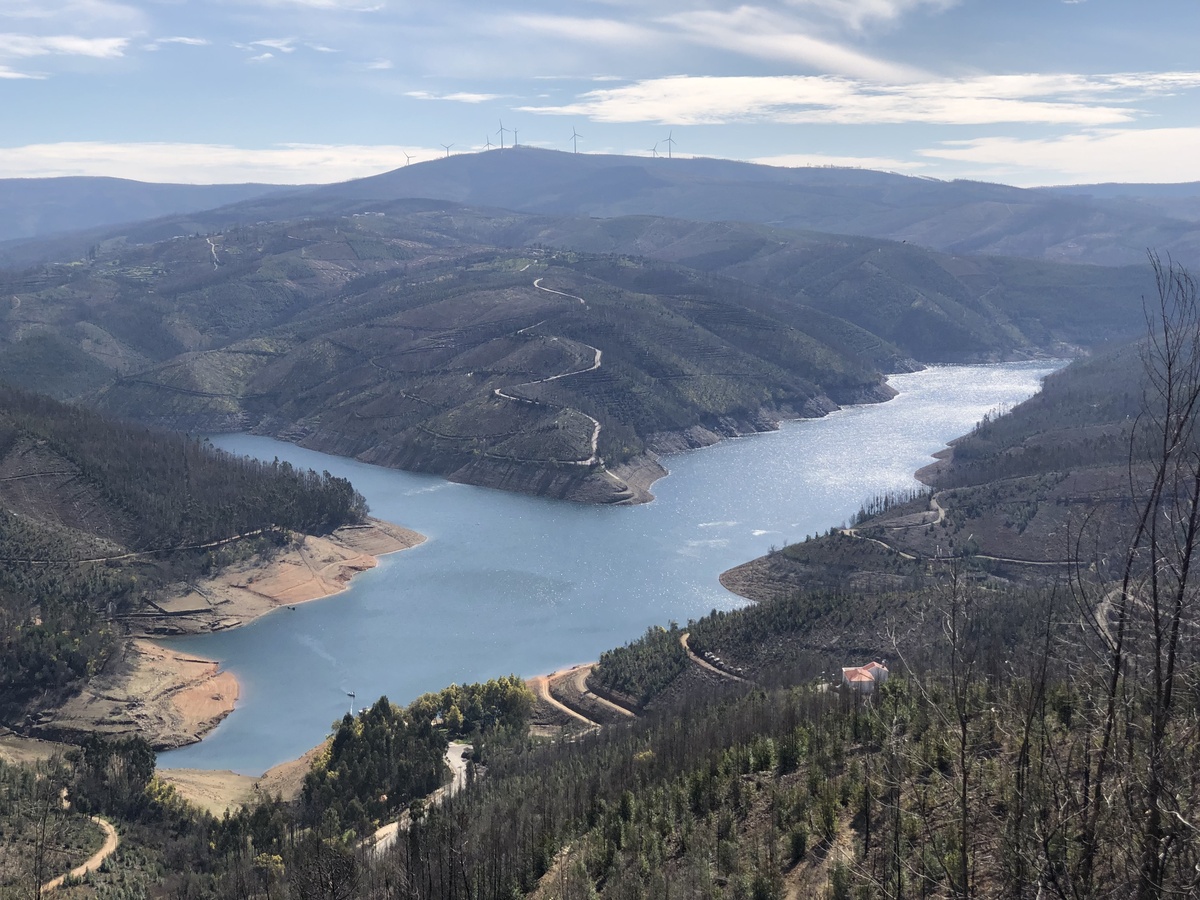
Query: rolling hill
x=441, y=338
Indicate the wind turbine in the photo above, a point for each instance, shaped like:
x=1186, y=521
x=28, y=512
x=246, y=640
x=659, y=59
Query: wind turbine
x=447, y=146
x=501, y=133
x=489, y=141
x=514, y=131
x=670, y=142
x=575, y=136
x=407, y=158
x=654, y=150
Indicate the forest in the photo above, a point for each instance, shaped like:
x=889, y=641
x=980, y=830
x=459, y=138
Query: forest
x=96, y=516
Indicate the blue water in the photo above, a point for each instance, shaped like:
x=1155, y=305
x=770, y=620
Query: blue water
x=508, y=583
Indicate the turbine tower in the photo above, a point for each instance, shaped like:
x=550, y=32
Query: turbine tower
x=670, y=142
x=501, y=133
x=407, y=158
x=447, y=146
x=575, y=136
x=514, y=131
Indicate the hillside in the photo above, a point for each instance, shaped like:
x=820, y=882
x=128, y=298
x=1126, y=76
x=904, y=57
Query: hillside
x=1024, y=498
x=451, y=340
x=96, y=518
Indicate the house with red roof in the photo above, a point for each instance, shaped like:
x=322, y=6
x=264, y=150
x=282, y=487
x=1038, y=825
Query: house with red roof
x=864, y=678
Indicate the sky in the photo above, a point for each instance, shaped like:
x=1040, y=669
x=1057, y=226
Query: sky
x=1024, y=92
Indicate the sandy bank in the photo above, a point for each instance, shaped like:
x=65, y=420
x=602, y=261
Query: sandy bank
x=310, y=568
x=173, y=698
x=219, y=790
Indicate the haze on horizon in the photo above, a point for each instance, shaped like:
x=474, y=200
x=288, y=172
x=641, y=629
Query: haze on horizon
x=291, y=91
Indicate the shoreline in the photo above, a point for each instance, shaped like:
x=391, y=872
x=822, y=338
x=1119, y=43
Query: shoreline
x=219, y=789
x=173, y=698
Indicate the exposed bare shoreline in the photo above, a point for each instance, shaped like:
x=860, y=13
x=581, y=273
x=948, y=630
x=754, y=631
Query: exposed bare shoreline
x=173, y=698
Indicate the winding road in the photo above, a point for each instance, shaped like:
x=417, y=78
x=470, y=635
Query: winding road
x=594, y=458
x=111, y=842
x=385, y=837
x=705, y=664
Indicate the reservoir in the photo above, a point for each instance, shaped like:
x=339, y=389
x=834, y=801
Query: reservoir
x=507, y=583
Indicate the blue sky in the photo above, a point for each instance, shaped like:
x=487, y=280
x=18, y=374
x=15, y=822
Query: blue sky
x=1020, y=91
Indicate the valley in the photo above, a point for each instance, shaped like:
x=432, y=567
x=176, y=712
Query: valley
x=428, y=323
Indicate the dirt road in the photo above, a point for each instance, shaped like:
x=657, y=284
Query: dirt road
x=383, y=838
x=111, y=841
x=705, y=664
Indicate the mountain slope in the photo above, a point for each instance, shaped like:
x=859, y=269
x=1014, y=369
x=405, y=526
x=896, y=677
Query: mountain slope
x=36, y=207
x=958, y=217
x=431, y=336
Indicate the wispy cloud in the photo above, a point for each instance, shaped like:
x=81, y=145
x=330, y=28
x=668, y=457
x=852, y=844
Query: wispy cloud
x=208, y=163
x=283, y=45
x=23, y=46
x=1147, y=154
x=336, y=5
x=13, y=75
x=183, y=41
x=77, y=14
x=457, y=96
x=801, y=99
x=767, y=35
x=857, y=14
x=582, y=30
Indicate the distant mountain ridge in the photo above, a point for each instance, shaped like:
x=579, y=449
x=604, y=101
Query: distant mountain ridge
x=1099, y=224
x=961, y=217
x=34, y=207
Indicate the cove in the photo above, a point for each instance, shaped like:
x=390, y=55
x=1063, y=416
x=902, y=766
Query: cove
x=507, y=583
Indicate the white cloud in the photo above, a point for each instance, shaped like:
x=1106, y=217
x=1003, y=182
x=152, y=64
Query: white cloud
x=335, y=5
x=1127, y=155
x=207, y=163
x=78, y=14
x=28, y=45
x=802, y=99
x=764, y=34
x=582, y=30
x=262, y=57
x=380, y=65
x=186, y=41
x=283, y=45
x=12, y=74
x=856, y=14
x=457, y=96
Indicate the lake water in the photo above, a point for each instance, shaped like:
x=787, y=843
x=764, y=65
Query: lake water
x=514, y=584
